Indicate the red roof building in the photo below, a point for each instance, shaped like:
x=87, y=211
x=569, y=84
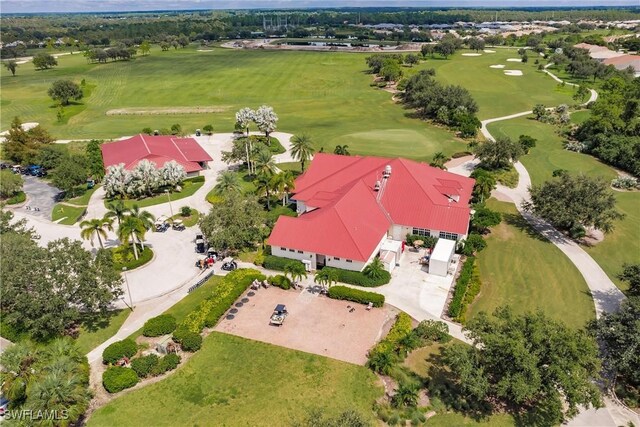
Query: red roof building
x=159, y=149
x=348, y=206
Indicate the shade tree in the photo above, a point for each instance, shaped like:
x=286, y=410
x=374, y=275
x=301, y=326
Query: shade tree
x=65, y=90
x=498, y=153
x=44, y=61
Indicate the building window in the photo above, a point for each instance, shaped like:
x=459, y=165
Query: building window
x=336, y=259
x=349, y=260
x=422, y=232
x=300, y=252
x=449, y=236
x=291, y=250
x=283, y=249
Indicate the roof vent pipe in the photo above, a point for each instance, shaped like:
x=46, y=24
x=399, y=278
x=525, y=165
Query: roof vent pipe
x=376, y=187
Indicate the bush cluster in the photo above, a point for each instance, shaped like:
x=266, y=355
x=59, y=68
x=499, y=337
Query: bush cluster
x=143, y=365
x=432, y=330
x=199, y=178
x=280, y=281
x=360, y=279
x=222, y=296
x=117, y=378
x=466, y=289
x=428, y=241
x=272, y=262
x=188, y=340
x=166, y=364
x=459, y=154
x=118, y=350
x=356, y=295
x=159, y=325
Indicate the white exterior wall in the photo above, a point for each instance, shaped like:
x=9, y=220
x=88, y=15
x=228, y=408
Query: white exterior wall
x=343, y=264
x=399, y=232
x=277, y=251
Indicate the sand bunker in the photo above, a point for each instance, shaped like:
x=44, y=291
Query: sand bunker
x=144, y=111
x=205, y=50
x=471, y=54
x=489, y=51
x=512, y=72
x=496, y=66
x=514, y=60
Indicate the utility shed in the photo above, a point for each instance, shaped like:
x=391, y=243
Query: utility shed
x=441, y=257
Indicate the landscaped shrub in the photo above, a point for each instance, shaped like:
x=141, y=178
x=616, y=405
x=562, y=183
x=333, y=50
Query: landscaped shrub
x=280, y=281
x=123, y=256
x=189, y=341
x=432, y=330
x=272, y=262
x=624, y=182
x=166, y=364
x=117, y=378
x=222, y=296
x=392, y=342
x=474, y=244
x=356, y=295
x=143, y=365
x=427, y=241
x=118, y=350
x=466, y=289
x=461, y=154
x=159, y=325
x=360, y=279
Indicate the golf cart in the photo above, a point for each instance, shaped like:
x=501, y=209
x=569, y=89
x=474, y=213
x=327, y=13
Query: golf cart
x=279, y=314
x=198, y=132
x=211, y=253
x=199, y=243
x=162, y=224
x=178, y=225
x=228, y=264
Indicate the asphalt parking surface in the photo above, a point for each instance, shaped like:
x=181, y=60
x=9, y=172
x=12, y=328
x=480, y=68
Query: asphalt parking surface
x=40, y=195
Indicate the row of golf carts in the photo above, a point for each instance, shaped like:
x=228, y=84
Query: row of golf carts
x=228, y=263
x=163, y=224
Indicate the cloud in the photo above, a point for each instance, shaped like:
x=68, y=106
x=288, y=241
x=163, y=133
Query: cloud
x=32, y=6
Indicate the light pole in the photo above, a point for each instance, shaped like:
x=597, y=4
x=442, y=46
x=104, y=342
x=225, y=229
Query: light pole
x=124, y=271
x=169, y=197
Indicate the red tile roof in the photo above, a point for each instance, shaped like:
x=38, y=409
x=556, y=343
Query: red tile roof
x=415, y=195
x=159, y=149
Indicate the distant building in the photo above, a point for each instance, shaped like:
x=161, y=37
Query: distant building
x=158, y=149
x=625, y=61
x=352, y=209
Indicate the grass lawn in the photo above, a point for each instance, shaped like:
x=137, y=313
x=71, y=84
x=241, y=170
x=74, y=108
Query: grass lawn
x=84, y=199
x=522, y=270
x=124, y=257
x=455, y=420
x=324, y=94
x=579, y=117
x=188, y=221
x=96, y=330
x=290, y=166
x=233, y=381
x=548, y=154
x=188, y=189
x=71, y=214
x=622, y=245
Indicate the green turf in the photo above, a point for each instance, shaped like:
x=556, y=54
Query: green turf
x=548, y=154
x=84, y=199
x=324, y=94
x=622, y=245
x=188, y=221
x=457, y=420
x=578, y=117
x=527, y=272
x=96, y=330
x=233, y=381
x=71, y=214
x=188, y=189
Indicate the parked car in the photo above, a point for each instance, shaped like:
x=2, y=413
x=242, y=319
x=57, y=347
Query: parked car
x=4, y=405
x=178, y=225
x=200, y=246
x=279, y=314
x=229, y=265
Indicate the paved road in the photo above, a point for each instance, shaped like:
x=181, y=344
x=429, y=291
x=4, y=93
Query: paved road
x=40, y=194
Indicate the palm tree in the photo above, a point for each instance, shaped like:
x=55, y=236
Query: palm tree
x=326, y=277
x=438, y=161
x=341, y=150
x=60, y=391
x=381, y=361
x=283, y=183
x=228, y=182
x=406, y=395
x=117, y=210
x=296, y=270
x=375, y=269
x=264, y=185
x=131, y=228
x=264, y=163
x=484, y=185
x=18, y=373
x=301, y=149
x=146, y=218
x=96, y=227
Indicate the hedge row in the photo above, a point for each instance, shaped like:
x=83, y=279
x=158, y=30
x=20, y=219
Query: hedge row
x=360, y=279
x=117, y=378
x=118, y=350
x=280, y=281
x=467, y=287
x=272, y=262
x=223, y=295
x=356, y=295
x=159, y=325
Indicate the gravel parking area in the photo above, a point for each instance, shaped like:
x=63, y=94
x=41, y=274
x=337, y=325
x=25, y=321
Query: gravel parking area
x=315, y=324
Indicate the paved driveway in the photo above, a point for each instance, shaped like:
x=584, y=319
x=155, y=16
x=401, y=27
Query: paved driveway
x=315, y=324
x=41, y=195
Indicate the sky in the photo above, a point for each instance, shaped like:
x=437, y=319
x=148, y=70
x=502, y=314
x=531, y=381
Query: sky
x=30, y=6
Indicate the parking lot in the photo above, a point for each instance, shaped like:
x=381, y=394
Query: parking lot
x=40, y=195
x=315, y=324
